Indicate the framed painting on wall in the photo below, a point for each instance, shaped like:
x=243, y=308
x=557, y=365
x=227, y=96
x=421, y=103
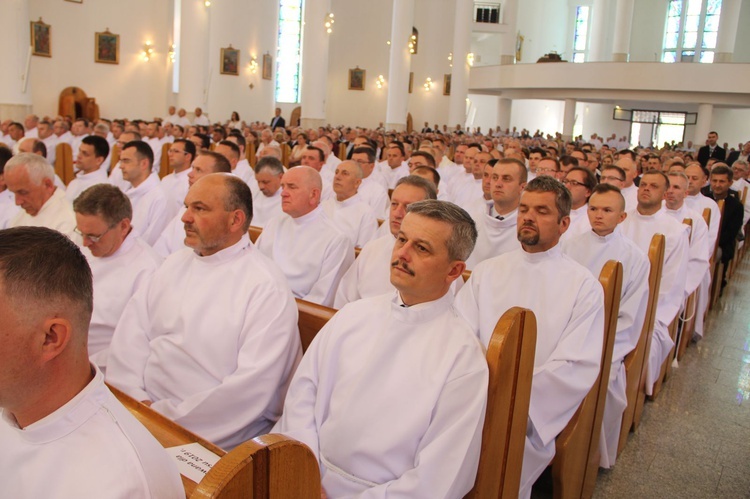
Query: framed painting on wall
x=230, y=61
x=107, y=47
x=357, y=79
x=41, y=43
x=267, y=67
x=446, y=84
x=411, y=81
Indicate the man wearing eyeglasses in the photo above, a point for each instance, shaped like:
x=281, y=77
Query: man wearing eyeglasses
x=580, y=182
x=120, y=261
x=181, y=155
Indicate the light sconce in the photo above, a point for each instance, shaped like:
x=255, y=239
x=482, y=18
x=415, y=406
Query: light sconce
x=171, y=53
x=387, y=42
x=253, y=64
x=412, y=42
x=207, y=3
x=450, y=59
x=148, y=51
x=470, y=58
x=380, y=81
x=329, y=22
x=427, y=84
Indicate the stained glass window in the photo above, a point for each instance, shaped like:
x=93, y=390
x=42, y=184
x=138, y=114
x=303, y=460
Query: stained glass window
x=691, y=30
x=289, y=55
x=580, y=33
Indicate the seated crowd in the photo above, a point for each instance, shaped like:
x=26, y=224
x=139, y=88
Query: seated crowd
x=159, y=290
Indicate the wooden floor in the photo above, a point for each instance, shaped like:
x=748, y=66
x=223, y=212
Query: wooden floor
x=694, y=440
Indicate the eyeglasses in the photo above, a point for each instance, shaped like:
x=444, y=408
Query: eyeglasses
x=94, y=239
x=569, y=181
x=545, y=170
x=610, y=178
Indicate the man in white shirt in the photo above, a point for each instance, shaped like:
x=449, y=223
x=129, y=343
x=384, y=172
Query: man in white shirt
x=63, y=433
x=308, y=247
x=31, y=179
x=15, y=134
x=580, y=182
x=314, y=157
x=151, y=138
x=243, y=168
x=50, y=140
x=266, y=139
x=152, y=209
x=388, y=434
x=374, y=189
x=30, y=123
x=593, y=249
x=267, y=203
x=8, y=208
x=61, y=129
x=171, y=116
x=629, y=189
x=121, y=262
x=91, y=155
x=200, y=118
x=347, y=209
x=641, y=225
x=395, y=167
x=368, y=276
x=496, y=226
x=211, y=342
x=79, y=130
x=181, y=155
x=569, y=306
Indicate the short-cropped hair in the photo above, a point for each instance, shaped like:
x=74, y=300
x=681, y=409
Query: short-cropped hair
x=270, y=163
x=427, y=156
x=221, y=164
x=589, y=179
x=36, y=166
x=523, y=175
x=366, y=150
x=105, y=201
x=42, y=268
x=100, y=145
x=620, y=172
x=464, y=231
x=142, y=149
x=429, y=189
x=545, y=183
x=720, y=169
x=660, y=173
x=233, y=147
x=605, y=188
x=239, y=197
x=433, y=172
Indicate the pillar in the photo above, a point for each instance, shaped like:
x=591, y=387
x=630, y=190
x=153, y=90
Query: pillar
x=314, y=64
x=504, y=107
x=195, y=75
x=461, y=69
x=730, y=18
x=399, y=65
x=598, y=38
x=15, y=91
x=623, y=29
x=702, y=124
x=510, y=16
x=569, y=117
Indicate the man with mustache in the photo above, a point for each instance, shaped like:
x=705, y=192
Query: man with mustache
x=395, y=381
x=215, y=331
x=569, y=334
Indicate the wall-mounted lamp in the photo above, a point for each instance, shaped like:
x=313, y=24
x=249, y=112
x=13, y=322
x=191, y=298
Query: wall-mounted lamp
x=328, y=22
x=450, y=59
x=207, y=3
x=253, y=64
x=427, y=84
x=171, y=53
x=380, y=81
x=387, y=42
x=412, y=42
x=470, y=58
x=147, y=52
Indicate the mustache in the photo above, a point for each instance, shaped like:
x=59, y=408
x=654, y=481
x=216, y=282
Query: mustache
x=403, y=266
x=529, y=224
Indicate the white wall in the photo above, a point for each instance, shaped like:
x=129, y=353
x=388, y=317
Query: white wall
x=545, y=25
x=132, y=88
x=649, y=21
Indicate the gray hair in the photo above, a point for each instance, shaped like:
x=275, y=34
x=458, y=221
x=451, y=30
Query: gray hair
x=430, y=192
x=273, y=165
x=357, y=169
x=546, y=183
x=680, y=175
x=101, y=128
x=464, y=231
x=36, y=166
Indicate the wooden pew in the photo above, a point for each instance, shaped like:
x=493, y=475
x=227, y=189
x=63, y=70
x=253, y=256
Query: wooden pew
x=115, y=157
x=717, y=269
x=312, y=318
x=341, y=153
x=254, y=233
x=250, y=154
x=64, y=162
x=164, y=168
x=510, y=358
x=286, y=152
x=635, y=361
x=269, y=466
x=737, y=254
x=576, y=461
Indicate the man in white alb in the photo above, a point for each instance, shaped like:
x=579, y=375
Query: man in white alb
x=267, y=202
x=200, y=118
x=314, y=157
x=413, y=428
x=368, y=276
x=395, y=166
x=8, y=208
x=629, y=189
x=593, y=249
x=308, y=247
x=580, y=182
x=121, y=262
x=569, y=306
x=648, y=219
x=152, y=209
x=212, y=341
x=374, y=189
x=347, y=209
x=90, y=163
x=181, y=155
x=63, y=433
x=497, y=226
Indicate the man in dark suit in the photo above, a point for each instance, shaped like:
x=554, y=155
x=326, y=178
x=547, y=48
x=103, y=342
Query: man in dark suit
x=277, y=120
x=744, y=154
x=711, y=150
x=731, y=223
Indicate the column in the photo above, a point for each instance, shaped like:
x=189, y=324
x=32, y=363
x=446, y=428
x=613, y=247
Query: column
x=504, y=107
x=730, y=18
x=15, y=50
x=399, y=65
x=623, y=28
x=315, y=64
x=195, y=76
x=598, y=39
x=702, y=124
x=569, y=117
x=461, y=69
x=510, y=16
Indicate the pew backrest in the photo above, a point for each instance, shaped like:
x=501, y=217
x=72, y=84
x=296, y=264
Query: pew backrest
x=312, y=318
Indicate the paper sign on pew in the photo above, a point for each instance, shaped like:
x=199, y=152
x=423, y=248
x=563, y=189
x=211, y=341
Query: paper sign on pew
x=193, y=460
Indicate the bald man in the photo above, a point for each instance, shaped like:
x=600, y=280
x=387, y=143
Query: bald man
x=351, y=214
x=311, y=251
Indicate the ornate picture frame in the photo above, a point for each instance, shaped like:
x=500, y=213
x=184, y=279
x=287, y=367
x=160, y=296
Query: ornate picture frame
x=41, y=41
x=106, y=47
x=267, y=67
x=230, y=61
x=357, y=78
x=447, y=84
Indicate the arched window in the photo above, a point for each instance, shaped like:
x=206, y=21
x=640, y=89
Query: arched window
x=692, y=30
x=289, y=55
